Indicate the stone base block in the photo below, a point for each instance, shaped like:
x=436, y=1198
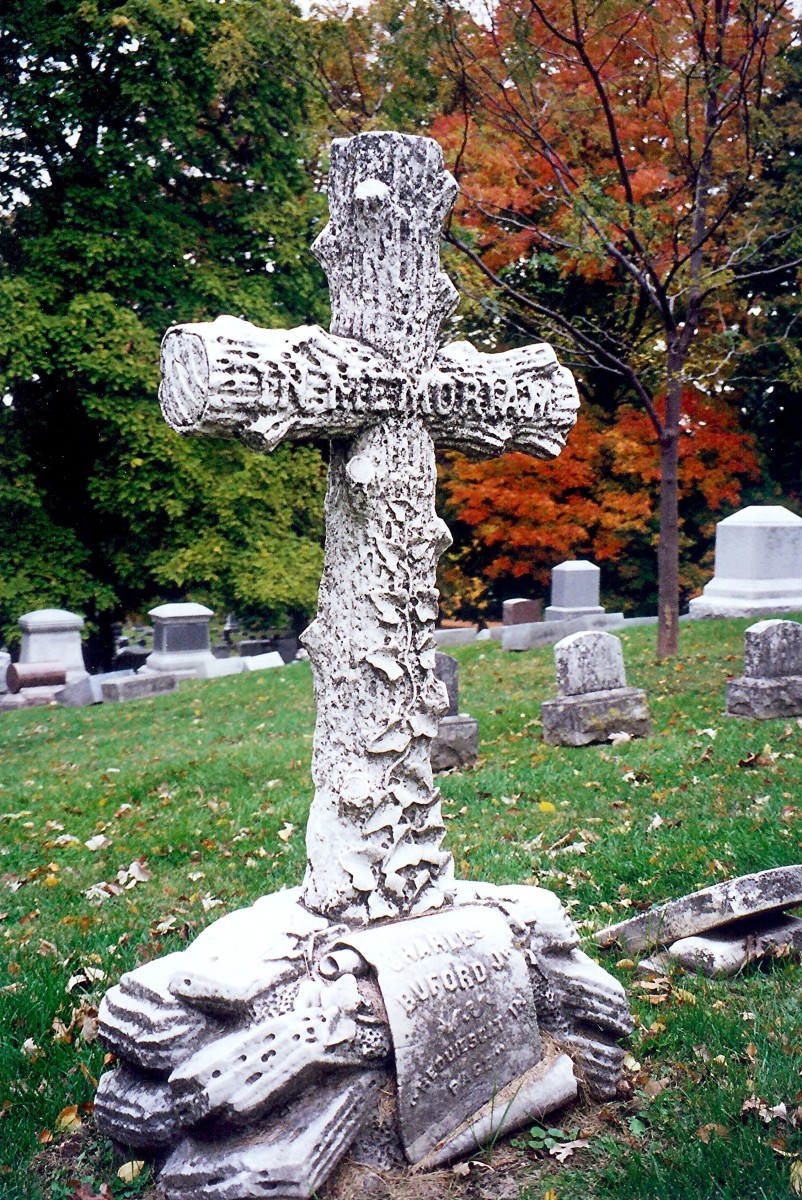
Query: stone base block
x=261, y=662
x=729, y=949
x=456, y=744
x=555, y=613
x=705, y=606
x=214, y=668
x=580, y=720
x=135, y=687
x=33, y=697
x=762, y=699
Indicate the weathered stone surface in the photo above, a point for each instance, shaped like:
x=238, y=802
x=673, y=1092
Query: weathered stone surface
x=5, y=661
x=581, y=720
x=521, y=611
x=53, y=635
x=136, y=1109
x=592, y=661
x=456, y=637
x=461, y=1013
x=89, y=690
x=764, y=699
x=732, y=947
x=773, y=649
x=40, y=674
x=749, y=895
x=32, y=697
x=288, y=1160
x=758, y=565
x=771, y=685
x=544, y=1087
x=457, y=743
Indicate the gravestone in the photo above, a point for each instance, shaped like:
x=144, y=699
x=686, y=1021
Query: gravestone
x=521, y=611
x=5, y=662
x=574, y=591
x=593, y=699
x=457, y=742
x=53, y=635
x=771, y=685
x=253, y=1059
x=181, y=641
x=720, y=929
x=758, y=565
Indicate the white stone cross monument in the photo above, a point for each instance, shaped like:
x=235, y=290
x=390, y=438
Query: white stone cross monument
x=280, y=1022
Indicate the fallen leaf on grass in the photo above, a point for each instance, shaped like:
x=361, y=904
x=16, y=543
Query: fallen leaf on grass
x=68, y=1119
x=44, y=1136
x=286, y=833
x=631, y=1063
x=705, y=1132
x=766, y=1112
x=462, y=1169
x=129, y=1171
x=98, y=842
x=796, y=1178
x=564, y=1150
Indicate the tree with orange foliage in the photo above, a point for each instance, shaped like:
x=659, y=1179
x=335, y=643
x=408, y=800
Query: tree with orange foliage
x=519, y=516
x=620, y=144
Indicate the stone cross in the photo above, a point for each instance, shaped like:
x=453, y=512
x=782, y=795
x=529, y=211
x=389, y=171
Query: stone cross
x=380, y=389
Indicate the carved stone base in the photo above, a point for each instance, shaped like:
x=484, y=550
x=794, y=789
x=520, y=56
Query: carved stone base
x=580, y=720
x=456, y=744
x=251, y=1062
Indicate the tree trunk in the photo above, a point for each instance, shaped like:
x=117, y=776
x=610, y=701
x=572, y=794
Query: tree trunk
x=668, y=542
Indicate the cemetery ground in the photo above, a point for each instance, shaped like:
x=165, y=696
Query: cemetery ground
x=125, y=829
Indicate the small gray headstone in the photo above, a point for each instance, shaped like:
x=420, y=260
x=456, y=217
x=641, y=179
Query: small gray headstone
x=773, y=649
x=594, y=701
x=446, y=669
x=771, y=685
x=5, y=659
x=457, y=742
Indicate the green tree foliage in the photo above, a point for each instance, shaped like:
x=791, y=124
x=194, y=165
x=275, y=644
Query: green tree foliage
x=154, y=170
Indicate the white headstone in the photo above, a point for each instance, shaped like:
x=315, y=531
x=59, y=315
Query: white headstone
x=181, y=641
x=758, y=566
x=5, y=659
x=574, y=590
x=53, y=635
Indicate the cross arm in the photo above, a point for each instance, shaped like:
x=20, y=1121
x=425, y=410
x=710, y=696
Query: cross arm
x=232, y=379
x=262, y=386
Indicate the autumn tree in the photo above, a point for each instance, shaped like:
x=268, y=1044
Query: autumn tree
x=156, y=168
x=620, y=146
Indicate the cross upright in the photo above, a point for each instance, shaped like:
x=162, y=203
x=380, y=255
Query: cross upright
x=378, y=387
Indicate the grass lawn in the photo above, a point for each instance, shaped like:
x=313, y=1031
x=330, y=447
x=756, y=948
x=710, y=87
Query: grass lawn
x=194, y=804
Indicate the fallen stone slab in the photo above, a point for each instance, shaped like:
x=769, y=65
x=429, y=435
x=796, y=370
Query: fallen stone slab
x=455, y=637
x=595, y=717
x=136, y=687
x=731, y=948
x=748, y=896
x=32, y=697
x=88, y=690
